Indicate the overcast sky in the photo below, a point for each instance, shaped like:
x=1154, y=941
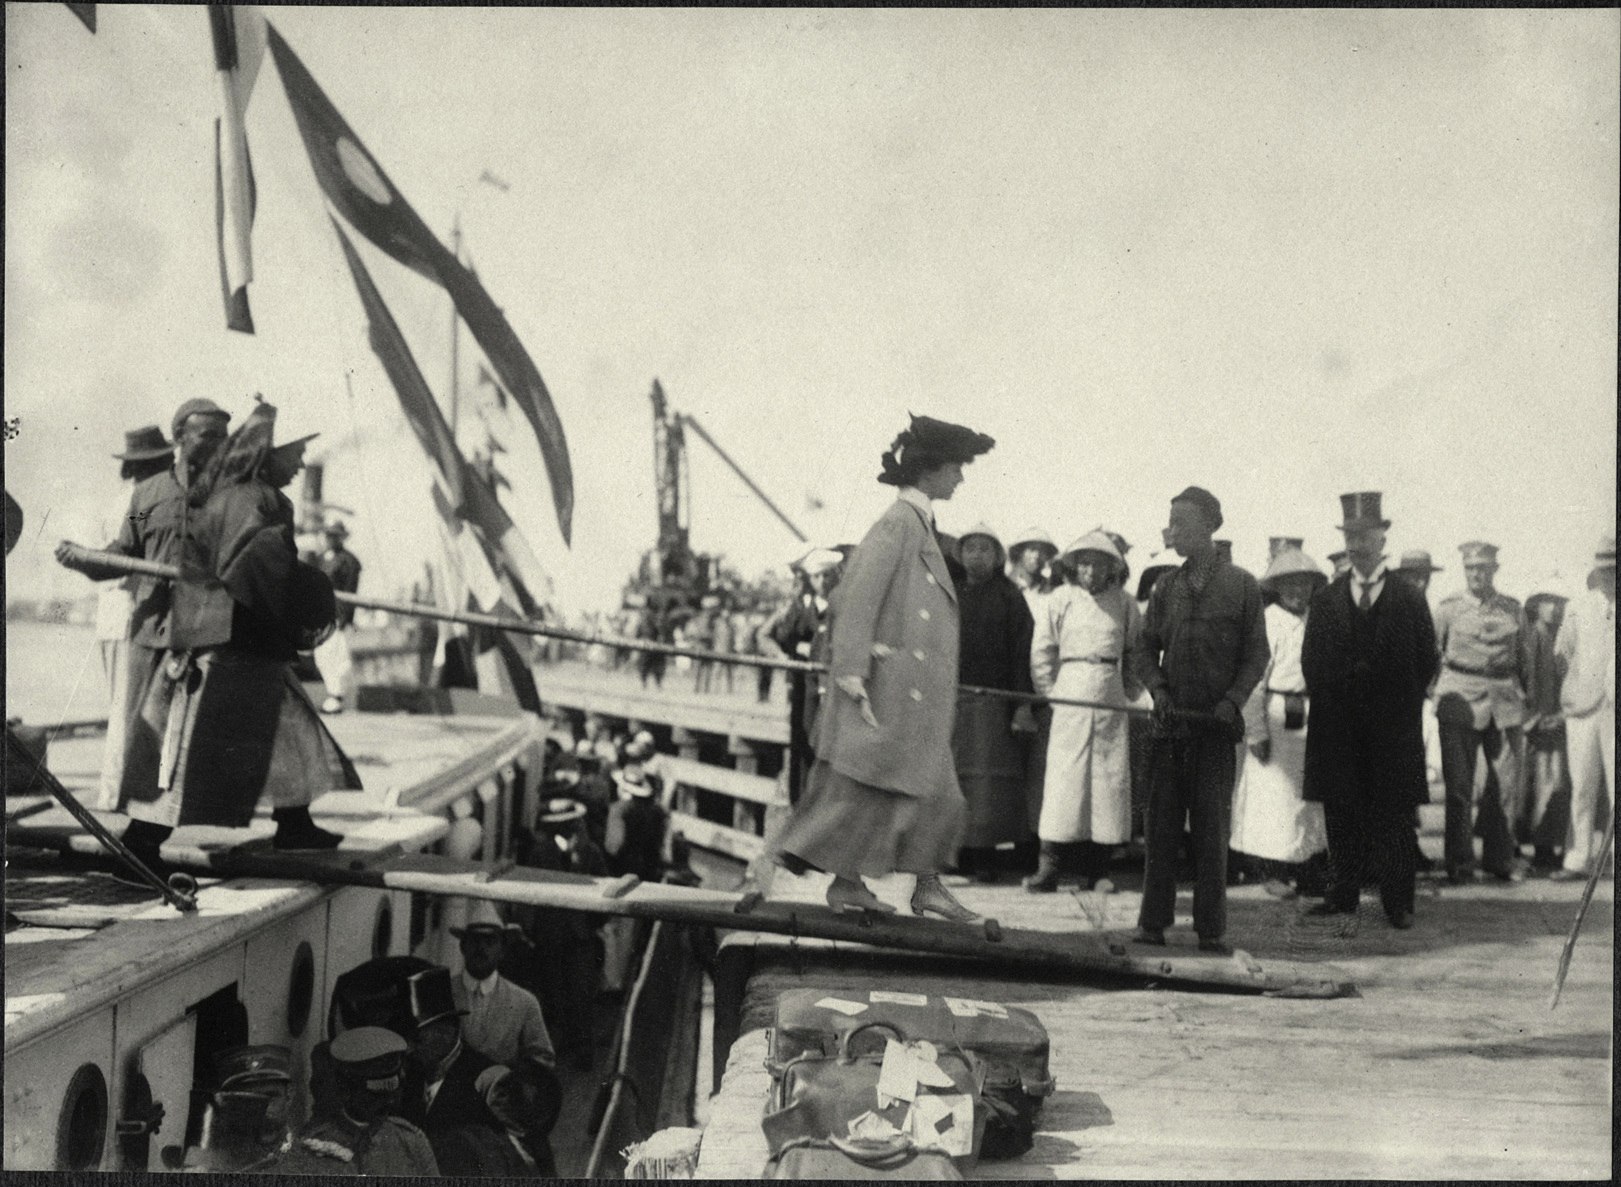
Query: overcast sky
x=1283, y=255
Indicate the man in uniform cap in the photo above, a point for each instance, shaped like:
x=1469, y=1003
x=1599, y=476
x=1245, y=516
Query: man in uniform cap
x=245, y=1118
x=1203, y=651
x=1585, y=654
x=503, y=1021
x=1368, y=658
x=359, y=1133
x=1480, y=705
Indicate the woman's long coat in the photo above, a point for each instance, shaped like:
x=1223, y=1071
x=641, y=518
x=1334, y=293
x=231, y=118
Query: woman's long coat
x=894, y=623
x=1365, y=734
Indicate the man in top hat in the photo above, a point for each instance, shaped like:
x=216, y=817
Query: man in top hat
x=1203, y=652
x=503, y=1021
x=1585, y=654
x=1480, y=705
x=332, y=657
x=1368, y=658
x=146, y=454
x=357, y=1132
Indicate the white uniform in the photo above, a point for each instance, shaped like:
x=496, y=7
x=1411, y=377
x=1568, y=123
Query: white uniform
x=1270, y=819
x=1077, y=651
x=1585, y=653
x=115, y=603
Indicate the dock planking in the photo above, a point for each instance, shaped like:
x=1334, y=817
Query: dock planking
x=1449, y=1065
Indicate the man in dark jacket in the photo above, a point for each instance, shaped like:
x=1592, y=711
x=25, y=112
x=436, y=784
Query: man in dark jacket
x=1368, y=658
x=332, y=657
x=1203, y=651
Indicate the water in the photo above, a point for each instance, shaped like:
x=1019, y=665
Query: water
x=53, y=673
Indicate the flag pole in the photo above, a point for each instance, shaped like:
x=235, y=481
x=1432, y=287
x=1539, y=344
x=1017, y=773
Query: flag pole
x=455, y=331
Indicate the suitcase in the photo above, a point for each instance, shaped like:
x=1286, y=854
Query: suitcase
x=818, y=1096
x=844, y=1159
x=1010, y=1043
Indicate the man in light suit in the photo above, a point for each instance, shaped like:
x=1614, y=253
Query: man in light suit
x=503, y=1021
x=1585, y=655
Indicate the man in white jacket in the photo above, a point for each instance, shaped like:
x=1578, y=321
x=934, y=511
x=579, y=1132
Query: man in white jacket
x=1585, y=658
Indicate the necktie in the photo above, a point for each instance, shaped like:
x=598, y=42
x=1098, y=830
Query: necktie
x=1366, y=599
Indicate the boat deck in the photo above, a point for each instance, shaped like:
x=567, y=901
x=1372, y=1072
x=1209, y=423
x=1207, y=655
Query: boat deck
x=1449, y=1063
x=410, y=765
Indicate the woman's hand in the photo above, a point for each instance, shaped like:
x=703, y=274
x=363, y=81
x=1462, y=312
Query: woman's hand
x=856, y=687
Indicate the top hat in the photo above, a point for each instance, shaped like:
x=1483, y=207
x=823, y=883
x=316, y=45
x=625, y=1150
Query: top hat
x=1478, y=552
x=370, y=994
x=370, y=1055
x=561, y=810
x=1033, y=536
x=428, y=998
x=1290, y=561
x=247, y=1066
x=483, y=917
x=337, y=528
x=1604, y=558
x=145, y=444
x=1360, y=509
x=1277, y=544
x=1417, y=561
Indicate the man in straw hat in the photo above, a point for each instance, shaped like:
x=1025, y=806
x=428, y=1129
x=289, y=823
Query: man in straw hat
x=503, y=1021
x=1585, y=654
x=1276, y=831
x=1368, y=658
x=1480, y=705
x=1204, y=650
x=1416, y=568
x=332, y=657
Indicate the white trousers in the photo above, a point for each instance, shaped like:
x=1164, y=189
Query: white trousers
x=1590, y=749
x=337, y=667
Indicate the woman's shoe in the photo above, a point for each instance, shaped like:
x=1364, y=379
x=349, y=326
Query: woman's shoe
x=931, y=898
x=856, y=899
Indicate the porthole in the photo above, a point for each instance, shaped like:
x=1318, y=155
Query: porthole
x=81, y=1127
x=300, y=989
x=382, y=933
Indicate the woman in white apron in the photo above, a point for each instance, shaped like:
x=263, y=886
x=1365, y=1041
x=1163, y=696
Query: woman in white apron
x=1274, y=829
x=1082, y=651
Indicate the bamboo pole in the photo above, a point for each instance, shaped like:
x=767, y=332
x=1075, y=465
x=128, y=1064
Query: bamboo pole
x=525, y=626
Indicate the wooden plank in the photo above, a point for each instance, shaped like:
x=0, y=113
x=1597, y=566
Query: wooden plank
x=738, y=784
x=709, y=835
x=611, y=694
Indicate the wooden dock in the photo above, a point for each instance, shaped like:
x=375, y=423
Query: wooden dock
x=1448, y=1065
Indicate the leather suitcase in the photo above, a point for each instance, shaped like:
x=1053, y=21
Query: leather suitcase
x=1010, y=1043
x=842, y=1159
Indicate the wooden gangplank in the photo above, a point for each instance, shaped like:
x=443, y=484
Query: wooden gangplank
x=1082, y=955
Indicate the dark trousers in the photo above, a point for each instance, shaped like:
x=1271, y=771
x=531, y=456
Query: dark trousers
x=1190, y=779
x=1499, y=800
x=762, y=683
x=800, y=755
x=1370, y=838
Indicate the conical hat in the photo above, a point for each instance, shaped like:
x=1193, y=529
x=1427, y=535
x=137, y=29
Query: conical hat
x=1097, y=540
x=1290, y=561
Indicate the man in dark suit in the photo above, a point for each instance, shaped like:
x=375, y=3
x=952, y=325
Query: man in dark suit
x=1369, y=657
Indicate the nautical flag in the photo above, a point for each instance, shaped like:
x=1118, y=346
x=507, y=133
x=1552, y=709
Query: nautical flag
x=361, y=191
x=468, y=496
x=86, y=13
x=238, y=34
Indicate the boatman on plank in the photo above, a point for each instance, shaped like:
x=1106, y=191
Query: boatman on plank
x=1480, y=705
x=359, y=1134
x=1203, y=650
x=1368, y=659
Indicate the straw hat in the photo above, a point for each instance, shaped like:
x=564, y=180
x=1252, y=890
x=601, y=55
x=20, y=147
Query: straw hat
x=1290, y=561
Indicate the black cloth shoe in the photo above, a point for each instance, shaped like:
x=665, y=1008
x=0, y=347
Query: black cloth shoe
x=1150, y=935
x=1217, y=945
x=296, y=832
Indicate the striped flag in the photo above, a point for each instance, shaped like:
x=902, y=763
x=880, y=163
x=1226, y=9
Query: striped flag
x=239, y=36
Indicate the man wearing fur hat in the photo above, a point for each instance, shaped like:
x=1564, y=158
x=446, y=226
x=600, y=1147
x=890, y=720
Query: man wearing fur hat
x=1585, y=654
x=1480, y=705
x=1203, y=651
x=1368, y=658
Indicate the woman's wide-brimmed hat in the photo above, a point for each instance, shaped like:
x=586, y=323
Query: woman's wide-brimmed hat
x=927, y=443
x=145, y=444
x=1290, y=562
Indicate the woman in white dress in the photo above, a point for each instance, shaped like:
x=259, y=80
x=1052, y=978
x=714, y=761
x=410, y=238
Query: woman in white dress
x=1274, y=829
x=1082, y=650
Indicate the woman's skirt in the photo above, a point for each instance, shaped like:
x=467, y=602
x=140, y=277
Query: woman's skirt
x=990, y=770
x=1270, y=819
x=843, y=826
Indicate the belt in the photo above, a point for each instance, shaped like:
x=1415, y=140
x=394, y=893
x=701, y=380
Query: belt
x=1489, y=673
x=1090, y=659
x=1283, y=692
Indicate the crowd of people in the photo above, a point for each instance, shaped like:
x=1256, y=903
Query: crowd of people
x=1280, y=729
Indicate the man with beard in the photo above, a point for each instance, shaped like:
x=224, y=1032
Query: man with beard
x=1368, y=657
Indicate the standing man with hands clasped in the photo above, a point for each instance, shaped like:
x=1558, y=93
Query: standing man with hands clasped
x=1203, y=650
